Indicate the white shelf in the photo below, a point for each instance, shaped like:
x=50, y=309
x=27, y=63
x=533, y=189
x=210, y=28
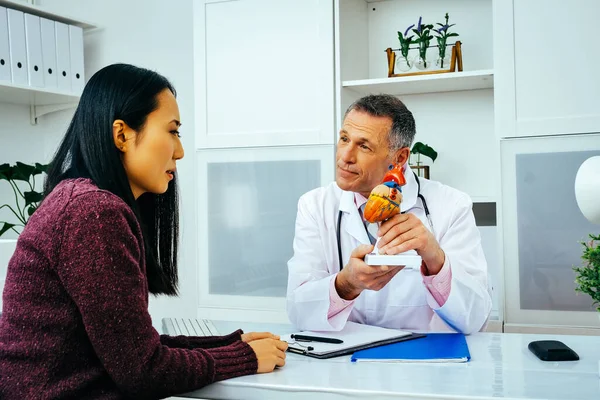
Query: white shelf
x=26, y=95
x=447, y=82
x=42, y=11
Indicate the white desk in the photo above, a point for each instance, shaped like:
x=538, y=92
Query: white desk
x=501, y=367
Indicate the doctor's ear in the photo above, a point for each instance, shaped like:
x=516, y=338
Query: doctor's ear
x=401, y=156
x=123, y=135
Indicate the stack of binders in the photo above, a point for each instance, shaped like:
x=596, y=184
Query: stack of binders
x=40, y=53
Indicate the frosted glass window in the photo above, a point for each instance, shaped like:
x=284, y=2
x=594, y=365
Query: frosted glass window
x=550, y=227
x=251, y=217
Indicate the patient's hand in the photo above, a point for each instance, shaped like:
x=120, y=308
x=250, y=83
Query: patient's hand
x=251, y=336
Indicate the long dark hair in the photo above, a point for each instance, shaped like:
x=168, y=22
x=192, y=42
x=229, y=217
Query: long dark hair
x=129, y=93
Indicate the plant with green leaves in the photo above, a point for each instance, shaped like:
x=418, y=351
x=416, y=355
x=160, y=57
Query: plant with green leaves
x=423, y=149
x=588, y=276
x=405, y=42
x=423, y=33
x=26, y=201
x=442, y=38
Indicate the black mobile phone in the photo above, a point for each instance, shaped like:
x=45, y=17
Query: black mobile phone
x=552, y=350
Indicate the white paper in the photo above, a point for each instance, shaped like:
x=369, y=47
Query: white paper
x=353, y=335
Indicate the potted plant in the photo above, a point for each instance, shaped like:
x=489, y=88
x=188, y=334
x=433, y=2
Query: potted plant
x=442, y=37
x=588, y=276
x=424, y=37
x=428, y=151
x=21, y=178
x=405, y=63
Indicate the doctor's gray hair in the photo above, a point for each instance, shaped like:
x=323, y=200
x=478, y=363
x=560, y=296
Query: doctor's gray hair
x=403, y=129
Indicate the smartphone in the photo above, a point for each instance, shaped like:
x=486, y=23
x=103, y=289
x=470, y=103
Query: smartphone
x=552, y=350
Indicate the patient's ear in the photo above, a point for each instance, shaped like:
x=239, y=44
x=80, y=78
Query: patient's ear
x=123, y=135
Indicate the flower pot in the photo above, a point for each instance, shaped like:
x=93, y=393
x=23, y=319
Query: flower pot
x=404, y=64
x=423, y=63
x=443, y=63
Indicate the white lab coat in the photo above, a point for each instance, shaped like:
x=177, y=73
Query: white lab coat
x=405, y=302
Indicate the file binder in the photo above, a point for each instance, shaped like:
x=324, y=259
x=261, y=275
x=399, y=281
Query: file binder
x=435, y=347
x=4, y=47
x=18, y=53
x=63, y=56
x=76, y=49
x=354, y=337
x=33, y=43
x=49, y=53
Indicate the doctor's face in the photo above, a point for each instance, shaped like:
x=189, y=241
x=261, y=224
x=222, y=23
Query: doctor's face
x=362, y=156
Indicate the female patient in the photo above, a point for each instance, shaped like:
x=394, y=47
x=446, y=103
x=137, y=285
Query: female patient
x=75, y=321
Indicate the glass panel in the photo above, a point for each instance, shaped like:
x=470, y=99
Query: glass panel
x=550, y=229
x=252, y=212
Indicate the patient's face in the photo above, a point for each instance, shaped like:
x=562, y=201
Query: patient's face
x=362, y=155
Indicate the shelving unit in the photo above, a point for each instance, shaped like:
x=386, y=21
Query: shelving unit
x=41, y=11
x=41, y=101
x=450, y=82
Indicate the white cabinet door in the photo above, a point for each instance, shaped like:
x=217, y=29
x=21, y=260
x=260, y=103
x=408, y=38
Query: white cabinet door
x=264, y=73
x=543, y=228
x=546, y=79
x=247, y=208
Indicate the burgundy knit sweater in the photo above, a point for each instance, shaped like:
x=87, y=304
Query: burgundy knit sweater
x=75, y=320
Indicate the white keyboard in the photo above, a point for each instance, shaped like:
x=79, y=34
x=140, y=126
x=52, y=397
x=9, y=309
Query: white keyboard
x=189, y=327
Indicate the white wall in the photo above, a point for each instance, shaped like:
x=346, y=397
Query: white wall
x=157, y=36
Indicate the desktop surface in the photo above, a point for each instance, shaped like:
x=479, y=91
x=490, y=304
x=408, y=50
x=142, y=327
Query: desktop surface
x=501, y=367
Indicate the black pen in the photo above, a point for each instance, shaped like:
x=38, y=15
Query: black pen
x=304, y=338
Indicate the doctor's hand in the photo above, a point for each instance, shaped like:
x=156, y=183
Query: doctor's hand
x=358, y=276
x=405, y=232
x=270, y=353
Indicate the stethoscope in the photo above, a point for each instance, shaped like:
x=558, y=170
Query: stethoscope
x=419, y=195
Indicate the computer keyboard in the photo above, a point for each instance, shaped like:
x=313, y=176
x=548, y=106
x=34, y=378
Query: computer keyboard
x=189, y=327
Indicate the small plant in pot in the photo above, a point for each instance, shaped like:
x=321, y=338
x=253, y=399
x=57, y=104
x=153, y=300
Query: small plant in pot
x=588, y=276
x=428, y=151
x=21, y=178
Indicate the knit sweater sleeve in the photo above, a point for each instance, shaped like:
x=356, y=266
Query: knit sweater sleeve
x=101, y=265
x=204, y=342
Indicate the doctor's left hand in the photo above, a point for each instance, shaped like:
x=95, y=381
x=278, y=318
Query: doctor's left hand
x=251, y=336
x=405, y=232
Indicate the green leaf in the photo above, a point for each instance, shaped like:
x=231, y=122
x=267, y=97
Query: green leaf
x=32, y=197
x=452, y=35
x=23, y=172
x=6, y=227
x=421, y=148
x=40, y=168
x=31, y=210
x=6, y=171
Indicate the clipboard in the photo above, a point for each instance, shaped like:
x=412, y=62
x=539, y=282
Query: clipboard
x=355, y=337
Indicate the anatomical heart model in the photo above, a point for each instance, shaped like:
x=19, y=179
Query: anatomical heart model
x=384, y=200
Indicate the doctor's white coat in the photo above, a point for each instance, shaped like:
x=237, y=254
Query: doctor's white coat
x=404, y=303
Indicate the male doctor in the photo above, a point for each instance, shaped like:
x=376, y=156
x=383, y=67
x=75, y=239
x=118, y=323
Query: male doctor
x=448, y=292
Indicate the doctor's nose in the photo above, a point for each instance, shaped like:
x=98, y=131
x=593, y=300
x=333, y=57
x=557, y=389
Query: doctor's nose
x=347, y=154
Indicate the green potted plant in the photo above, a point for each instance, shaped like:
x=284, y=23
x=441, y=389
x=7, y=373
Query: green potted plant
x=442, y=37
x=21, y=178
x=588, y=276
x=424, y=37
x=405, y=63
x=422, y=149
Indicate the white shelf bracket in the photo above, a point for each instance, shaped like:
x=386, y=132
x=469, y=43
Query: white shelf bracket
x=38, y=111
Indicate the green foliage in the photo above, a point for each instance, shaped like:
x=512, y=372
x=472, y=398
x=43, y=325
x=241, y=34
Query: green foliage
x=421, y=148
x=588, y=276
x=26, y=201
x=442, y=37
